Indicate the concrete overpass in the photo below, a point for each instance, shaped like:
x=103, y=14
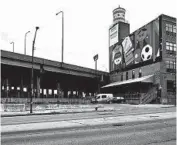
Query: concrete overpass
x=56, y=79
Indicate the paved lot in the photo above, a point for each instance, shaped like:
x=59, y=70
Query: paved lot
x=118, y=110
x=161, y=132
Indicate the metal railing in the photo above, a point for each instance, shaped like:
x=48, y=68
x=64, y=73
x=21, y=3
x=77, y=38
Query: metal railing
x=149, y=96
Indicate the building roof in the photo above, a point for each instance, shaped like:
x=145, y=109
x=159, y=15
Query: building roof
x=145, y=79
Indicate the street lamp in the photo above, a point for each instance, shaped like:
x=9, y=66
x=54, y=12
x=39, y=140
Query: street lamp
x=61, y=12
x=32, y=79
x=25, y=42
x=95, y=58
x=13, y=45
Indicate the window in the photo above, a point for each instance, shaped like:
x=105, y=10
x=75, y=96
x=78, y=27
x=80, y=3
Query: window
x=121, y=77
x=103, y=96
x=171, y=28
x=174, y=47
x=174, y=65
x=133, y=74
x=170, y=86
x=170, y=66
x=126, y=75
x=174, y=28
x=170, y=47
x=167, y=46
x=140, y=73
x=25, y=89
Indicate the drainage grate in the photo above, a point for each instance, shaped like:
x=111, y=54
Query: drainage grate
x=118, y=124
x=154, y=116
x=105, y=113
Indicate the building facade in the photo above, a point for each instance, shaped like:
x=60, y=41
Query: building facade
x=143, y=64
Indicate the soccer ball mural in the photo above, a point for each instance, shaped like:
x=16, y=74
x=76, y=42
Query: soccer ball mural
x=146, y=53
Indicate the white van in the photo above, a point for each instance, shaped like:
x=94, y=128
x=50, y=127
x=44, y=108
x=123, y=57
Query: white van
x=104, y=98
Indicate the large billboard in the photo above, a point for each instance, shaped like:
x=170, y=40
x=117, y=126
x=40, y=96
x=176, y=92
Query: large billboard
x=140, y=46
x=113, y=35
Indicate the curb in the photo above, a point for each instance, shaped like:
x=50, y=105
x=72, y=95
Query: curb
x=52, y=113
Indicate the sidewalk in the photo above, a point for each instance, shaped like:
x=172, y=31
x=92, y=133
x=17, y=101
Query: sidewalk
x=86, y=122
x=61, y=110
x=65, y=109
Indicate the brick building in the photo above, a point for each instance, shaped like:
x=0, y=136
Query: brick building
x=143, y=64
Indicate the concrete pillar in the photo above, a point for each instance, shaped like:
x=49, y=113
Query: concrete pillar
x=77, y=93
x=6, y=88
x=21, y=87
x=47, y=93
x=42, y=95
x=65, y=93
x=53, y=96
x=38, y=86
x=71, y=93
x=58, y=90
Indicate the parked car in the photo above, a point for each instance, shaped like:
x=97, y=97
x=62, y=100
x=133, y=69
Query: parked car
x=118, y=100
x=102, y=98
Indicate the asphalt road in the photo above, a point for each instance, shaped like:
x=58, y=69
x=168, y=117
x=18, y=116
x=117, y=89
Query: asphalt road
x=119, y=111
x=161, y=132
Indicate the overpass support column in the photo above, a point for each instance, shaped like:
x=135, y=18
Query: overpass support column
x=42, y=92
x=38, y=86
x=6, y=87
x=65, y=93
x=21, y=88
x=47, y=93
x=71, y=93
x=53, y=95
x=58, y=90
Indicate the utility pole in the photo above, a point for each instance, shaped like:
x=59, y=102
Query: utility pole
x=32, y=79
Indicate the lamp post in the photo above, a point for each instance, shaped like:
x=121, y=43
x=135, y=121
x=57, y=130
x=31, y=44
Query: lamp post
x=12, y=44
x=32, y=86
x=25, y=42
x=61, y=12
x=95, y=58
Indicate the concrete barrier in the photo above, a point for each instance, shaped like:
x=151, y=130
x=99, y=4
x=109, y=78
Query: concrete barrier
x=46, y=100
x=48, y=107
x=13, y=107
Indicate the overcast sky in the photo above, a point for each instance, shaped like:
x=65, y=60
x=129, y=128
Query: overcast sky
x=86, y=26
